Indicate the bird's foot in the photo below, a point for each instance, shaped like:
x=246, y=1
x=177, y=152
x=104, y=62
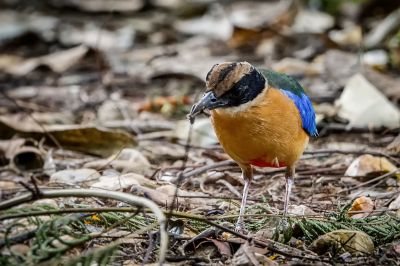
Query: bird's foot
x=240, y=228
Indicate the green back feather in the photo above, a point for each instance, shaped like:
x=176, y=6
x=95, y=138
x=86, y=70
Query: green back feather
x=282, y=81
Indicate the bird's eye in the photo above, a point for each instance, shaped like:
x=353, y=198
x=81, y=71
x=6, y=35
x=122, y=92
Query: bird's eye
x=237, y=92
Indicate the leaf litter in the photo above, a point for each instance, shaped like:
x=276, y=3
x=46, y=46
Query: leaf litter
x=95, y=96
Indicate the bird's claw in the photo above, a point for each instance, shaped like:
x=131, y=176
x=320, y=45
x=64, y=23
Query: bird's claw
x=240, y=228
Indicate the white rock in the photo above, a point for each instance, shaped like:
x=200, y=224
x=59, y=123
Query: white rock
x=202, y=133
x=214, y=24
x=395, y=204
x=351, y=35
x=366, y=164
x=376, y=58
x=74, y=176
x=363, y=105
x=117, y=182
x=312, y=21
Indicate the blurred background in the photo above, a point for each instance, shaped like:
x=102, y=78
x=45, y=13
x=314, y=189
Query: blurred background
x=80, y=56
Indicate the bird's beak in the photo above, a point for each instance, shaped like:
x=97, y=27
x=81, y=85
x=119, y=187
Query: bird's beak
x=208, y=101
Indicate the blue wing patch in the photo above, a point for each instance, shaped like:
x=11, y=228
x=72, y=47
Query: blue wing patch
x=306, y=111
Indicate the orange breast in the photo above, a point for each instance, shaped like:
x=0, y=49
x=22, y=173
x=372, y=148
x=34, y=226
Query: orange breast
x=268, y=133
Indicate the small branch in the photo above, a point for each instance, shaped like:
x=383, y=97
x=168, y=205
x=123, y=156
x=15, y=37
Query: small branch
x=392, y=156
x=376, y=179
x=266, y=243
x=120, y=196
x=208, y=167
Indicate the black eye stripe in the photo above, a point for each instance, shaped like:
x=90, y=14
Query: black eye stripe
x=246, y=89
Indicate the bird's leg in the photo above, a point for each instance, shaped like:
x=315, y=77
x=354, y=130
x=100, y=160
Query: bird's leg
x=289, y=176
x=247, y=174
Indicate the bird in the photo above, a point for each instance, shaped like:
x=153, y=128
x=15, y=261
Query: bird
x=261, y=118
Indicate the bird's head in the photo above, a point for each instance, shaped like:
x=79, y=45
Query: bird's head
x=230, y=85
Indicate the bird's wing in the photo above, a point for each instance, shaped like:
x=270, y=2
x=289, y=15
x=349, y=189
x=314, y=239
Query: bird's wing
x=292, y=89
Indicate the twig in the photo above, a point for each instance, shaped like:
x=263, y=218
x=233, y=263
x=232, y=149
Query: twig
x=180, y=174
x=230, y=187
x=376, y=179
x=356, y=152
x=124, y=197
x=208, y=167
x=149, y=248
x=179, y=214
x=267, y=243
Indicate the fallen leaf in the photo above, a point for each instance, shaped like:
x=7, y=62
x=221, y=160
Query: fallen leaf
x=214, y=24
x=19, y=249
x=363, y=105
x=88, y=139
x=340, y=241
x=58, y=62
x=247, y=256
x=98, y=37
x=367, y=164
x=364, y=204
x=223, y=247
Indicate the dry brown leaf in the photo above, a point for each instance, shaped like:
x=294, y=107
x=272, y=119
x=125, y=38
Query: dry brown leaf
x=246, y=255
x=214, y=24
x=58, y=62
x=88, y=139
x=339, y=241
x=363, y=204
x=368, y=164
x=223, y=247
